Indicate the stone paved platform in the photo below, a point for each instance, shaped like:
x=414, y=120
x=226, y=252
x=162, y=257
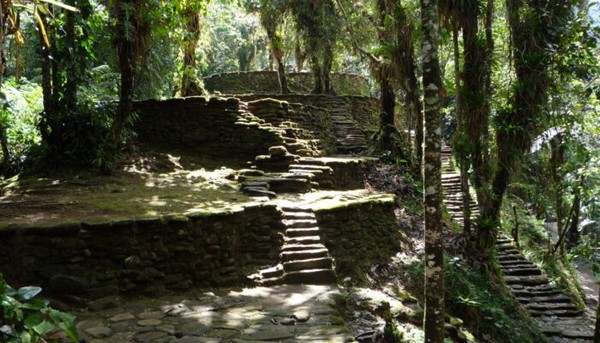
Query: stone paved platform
x=287, y=313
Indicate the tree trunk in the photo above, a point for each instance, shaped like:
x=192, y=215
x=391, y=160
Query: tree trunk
x=5, y=150
x=126, y=56
x=556, y=162
x=190, y=85
x=388, y=104
x=459, y=144
x=276, y=43
x=318, y=88
x=573, y=230
x=327, y=64
x=432, y=180
x=72, y=74
x=300, y=56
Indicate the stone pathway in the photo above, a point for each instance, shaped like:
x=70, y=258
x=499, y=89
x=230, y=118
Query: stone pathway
x=287, y=313
x=558, y=317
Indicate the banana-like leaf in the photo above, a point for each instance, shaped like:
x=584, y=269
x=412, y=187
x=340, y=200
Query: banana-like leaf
x=60, y=4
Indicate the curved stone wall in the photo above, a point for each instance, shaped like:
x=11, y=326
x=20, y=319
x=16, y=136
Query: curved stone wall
x=267, y=82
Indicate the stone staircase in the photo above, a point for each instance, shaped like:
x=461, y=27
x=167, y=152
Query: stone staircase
x=558, y=317
x=303, y=258
x=349, y=138
x=453, y=196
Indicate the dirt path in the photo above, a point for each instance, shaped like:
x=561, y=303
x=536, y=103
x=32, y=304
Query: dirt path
x=589, y=285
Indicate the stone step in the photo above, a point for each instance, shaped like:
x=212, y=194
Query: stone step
x=551, y=306
x=299, y=223
x=505, y=246
x=526, y=280
x=313, y=263
x=303, y=254
x=272, y=272
x=512, y=251
x=559, y=298
x=301, y=232
x=301, y=247
x=298, y=215
x=306, y=240
x=293, y=209
x=516, y=264
x=578, y=333
x=324, y=169
x=311, y=276
x=521, y=293
x=554, y=313
x=521, y=271
x=511, y=257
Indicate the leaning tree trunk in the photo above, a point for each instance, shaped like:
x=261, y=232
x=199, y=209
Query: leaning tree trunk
x=432, y=178
x=276, y=44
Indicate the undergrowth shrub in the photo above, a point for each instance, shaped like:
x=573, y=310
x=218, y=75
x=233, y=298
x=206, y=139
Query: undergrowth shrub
x=25, y=318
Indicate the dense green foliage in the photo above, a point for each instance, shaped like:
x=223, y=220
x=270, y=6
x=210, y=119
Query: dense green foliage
x=27, y=319
x=520, y=81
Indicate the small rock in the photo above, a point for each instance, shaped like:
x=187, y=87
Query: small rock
x=149, y=322
x=121, y=317
x=287, y=321
x=99, y=332
x=277, y=150
x=301, y=315
x=151, y=315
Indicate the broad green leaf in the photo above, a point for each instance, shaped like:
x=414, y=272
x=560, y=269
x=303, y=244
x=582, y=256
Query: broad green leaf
x=35, y=304
x=26, y=338
x=26, y=293
x=32, y=320
x=43, y=328
x=70, y=330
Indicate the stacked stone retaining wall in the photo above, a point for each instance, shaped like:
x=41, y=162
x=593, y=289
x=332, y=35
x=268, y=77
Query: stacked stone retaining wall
x=359, y=235
x=151, y=256
x=208, y=126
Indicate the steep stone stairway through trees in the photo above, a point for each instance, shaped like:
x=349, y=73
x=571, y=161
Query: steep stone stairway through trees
x=349, y=138
x=559, y=318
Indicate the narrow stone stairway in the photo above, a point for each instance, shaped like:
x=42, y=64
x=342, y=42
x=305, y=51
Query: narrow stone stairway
x=303, y=258
x=557, y=315
x=349, y=138
x=453, y=196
